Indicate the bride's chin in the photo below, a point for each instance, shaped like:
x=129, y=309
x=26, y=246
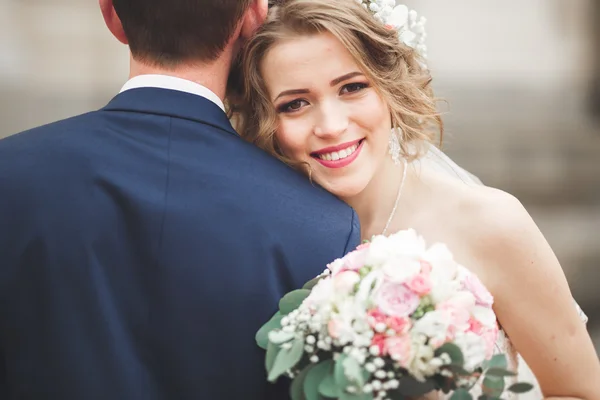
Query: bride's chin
x=342, y=190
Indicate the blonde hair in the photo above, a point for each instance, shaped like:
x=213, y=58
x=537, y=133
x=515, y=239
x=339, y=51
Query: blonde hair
x=393, y=68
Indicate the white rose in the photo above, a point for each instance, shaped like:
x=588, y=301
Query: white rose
x=401, y=269
x=485, y=315
x=473, y=348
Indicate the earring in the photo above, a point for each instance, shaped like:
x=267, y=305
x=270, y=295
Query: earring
x=394, y=145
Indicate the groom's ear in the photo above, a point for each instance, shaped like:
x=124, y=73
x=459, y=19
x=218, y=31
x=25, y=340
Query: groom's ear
x=254, y=17
x=112, y=20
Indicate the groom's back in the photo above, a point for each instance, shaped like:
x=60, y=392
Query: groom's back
x=141, y=248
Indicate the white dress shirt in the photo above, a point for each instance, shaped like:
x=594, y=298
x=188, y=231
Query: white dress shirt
x=172, y=83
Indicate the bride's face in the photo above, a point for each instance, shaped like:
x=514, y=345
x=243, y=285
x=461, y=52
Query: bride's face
x=329, y=114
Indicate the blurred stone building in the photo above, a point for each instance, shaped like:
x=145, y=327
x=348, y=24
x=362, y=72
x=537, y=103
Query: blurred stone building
x=516, y=76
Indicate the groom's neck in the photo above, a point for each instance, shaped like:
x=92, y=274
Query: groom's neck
x=211, y=75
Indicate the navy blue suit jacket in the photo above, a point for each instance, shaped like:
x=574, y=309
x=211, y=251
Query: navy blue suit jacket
x=143, y=245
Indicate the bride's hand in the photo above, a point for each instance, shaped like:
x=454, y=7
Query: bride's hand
x=533, y=302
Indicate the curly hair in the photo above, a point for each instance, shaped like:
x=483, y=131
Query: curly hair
x=394, y=69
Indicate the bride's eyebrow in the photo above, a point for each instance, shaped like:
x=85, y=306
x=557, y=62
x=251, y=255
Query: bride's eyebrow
x=343, y=78
x=334, y=82
x=293, y=91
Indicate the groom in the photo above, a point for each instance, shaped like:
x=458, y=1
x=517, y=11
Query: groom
x=142, y=245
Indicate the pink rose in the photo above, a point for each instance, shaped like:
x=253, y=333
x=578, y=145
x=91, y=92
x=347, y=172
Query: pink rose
x=375, y=317
x=398, y=325
x=475, y=326
x=344, y=281
x=457, y=316
x=420, y=284
x=482, y=295
x=400, y=349
x=379, y=340
x=397, y=300
x=355, y=260
x=490, y=336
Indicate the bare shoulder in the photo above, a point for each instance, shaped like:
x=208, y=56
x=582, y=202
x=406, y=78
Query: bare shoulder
x=502, y=236
x=494, y=216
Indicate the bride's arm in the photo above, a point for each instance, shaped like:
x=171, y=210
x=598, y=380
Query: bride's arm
x=533, y=301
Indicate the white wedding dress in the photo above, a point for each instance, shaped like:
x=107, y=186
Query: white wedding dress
x=436, y=159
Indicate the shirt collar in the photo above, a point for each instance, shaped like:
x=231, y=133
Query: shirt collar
x=172, y=83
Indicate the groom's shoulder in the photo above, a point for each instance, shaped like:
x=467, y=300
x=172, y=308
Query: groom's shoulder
x=41, y=151
x=43, y=138
x=279, y=180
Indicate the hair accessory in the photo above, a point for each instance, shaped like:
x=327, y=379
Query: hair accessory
x=410, y=27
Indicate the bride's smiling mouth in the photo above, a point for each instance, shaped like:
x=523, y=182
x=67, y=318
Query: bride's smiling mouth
x=339, y=156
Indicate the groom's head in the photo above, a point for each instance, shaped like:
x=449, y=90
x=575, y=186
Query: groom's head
x=170, y=32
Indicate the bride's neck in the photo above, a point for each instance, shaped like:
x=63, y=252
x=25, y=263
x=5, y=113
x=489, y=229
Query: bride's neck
x=375, y=203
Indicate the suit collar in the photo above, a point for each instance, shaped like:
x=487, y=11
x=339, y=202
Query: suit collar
x=171, y=103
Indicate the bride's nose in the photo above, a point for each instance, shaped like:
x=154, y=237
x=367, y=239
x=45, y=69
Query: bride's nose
x=332, y=120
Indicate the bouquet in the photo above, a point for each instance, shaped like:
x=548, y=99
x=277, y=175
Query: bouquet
x=393, y=319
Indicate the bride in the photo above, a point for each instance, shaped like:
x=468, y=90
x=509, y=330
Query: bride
x=344, y=97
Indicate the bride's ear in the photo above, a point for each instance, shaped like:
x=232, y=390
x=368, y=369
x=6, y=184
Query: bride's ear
x=254, y=17
x=112, y=20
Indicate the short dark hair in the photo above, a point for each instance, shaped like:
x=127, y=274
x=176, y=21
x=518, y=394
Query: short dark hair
x=169, y=32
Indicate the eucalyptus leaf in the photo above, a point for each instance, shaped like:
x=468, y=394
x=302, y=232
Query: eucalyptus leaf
x=458, y=370
x=412, y=387
x=262, y=336
x=328, y=386
x=461, y=394
x=493, y=386
x=453, y=351
x=497, y=361
x=280, y=337
x=521, y=387
x=355, y=396
x=292, y=300
x=339, y=373
x=312, y=283
x=297, y=386
x=314, y=377
x=499, y=372
x=272, y=351
x=353, y=371
x=286, y=359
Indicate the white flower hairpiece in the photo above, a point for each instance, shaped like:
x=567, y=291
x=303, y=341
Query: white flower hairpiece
x=410, y=27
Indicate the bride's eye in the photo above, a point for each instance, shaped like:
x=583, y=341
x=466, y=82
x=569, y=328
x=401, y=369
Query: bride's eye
x=354, y=87
x=292, y=106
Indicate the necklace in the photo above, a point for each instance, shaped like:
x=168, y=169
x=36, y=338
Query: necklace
x=389, y=221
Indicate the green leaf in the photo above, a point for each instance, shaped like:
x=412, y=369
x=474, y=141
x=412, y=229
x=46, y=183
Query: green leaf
x=521, y=387
x=453, y=351
x=497, y=361
x=297, y=386
x=272, y=351
x=493, y=386
x=312, y=283
x=339, y=373
x=262, y=336
x=354, y=372
x=461, y=394
x=499, y=372
x=292, y=300
x=458, y=370
x=412, y=387
x=286, y=359
x=355, y=396
x=314, y=377
x=280, y=337
x=328, y=387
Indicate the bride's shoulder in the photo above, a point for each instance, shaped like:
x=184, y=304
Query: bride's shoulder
x=493, y=214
